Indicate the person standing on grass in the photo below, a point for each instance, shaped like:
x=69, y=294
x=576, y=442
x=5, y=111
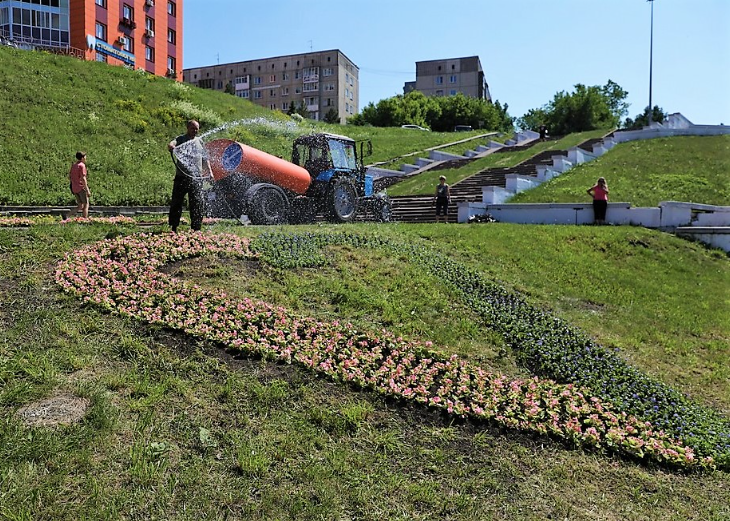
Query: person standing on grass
x=599, y=192
x=79, y=186
x=190, y=164
x=442, y=198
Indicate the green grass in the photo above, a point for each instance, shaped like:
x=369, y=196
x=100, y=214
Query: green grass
x=424, y=184
x=180, y=430
x=55, y=105
x=645, y=173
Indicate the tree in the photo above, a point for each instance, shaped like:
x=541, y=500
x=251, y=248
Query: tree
x=438, y=113
x=332, y=116
x=300, y=109
x=229, y=89
x=642, y=120
x=587, y=108
x=532, y=119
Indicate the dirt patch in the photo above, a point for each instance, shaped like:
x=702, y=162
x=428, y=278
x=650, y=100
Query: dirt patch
x=61, y=409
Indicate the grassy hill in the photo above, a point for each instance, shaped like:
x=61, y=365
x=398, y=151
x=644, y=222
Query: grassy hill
x=645, y=173
x=56, y=105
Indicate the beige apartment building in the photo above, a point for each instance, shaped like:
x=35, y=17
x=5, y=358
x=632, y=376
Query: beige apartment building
x=449, y=77
x=322, y=81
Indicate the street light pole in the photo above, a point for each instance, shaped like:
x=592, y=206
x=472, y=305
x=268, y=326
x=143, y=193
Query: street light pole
x=651, y=57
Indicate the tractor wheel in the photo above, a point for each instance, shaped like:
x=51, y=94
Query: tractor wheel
x=341, y=203
x=267, y=204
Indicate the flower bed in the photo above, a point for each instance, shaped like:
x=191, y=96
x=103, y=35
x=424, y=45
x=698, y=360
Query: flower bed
x=122, y=275
x=15, y=222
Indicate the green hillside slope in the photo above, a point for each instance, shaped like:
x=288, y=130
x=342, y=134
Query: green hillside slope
x=55, y=105
x=644, y=173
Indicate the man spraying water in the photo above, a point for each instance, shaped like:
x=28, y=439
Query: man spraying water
x=191, y=168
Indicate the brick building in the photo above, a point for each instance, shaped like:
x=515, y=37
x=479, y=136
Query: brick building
x=141, y=34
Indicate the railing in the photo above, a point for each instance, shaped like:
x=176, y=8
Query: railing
x=32, y=44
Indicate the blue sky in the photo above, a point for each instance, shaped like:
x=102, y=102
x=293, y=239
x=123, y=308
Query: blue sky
x=529, y=49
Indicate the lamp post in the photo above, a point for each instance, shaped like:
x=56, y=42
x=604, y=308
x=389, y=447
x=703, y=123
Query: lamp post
x=651, y=56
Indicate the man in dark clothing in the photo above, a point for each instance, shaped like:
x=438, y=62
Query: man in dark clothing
x=192, y=167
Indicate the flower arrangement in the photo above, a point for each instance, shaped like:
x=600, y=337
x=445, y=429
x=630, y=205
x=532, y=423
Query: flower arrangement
x=122, y=275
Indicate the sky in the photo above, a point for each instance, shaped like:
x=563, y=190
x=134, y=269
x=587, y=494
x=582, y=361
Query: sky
x=529, y=49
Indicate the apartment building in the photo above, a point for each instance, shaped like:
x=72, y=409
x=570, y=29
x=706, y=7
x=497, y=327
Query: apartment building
x=449, y=77
x=323, y=81
x=141, y=34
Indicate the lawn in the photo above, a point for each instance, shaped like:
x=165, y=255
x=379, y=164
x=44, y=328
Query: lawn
x=180, y=428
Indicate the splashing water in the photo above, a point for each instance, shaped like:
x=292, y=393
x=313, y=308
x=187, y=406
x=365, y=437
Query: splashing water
x=224, y=198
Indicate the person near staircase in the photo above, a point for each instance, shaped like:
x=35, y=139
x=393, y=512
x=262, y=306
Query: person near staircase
x=442, y=198
x=599, y=191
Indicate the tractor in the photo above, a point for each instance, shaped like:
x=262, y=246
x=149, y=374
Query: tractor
x=325, y=177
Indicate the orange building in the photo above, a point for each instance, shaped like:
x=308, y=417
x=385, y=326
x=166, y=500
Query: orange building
x=141, y=34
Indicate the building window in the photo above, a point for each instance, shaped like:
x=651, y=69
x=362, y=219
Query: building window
x=297, y=90
x=101, y=3
x=272, y=106
x=452, y=92
x=243, y=93
x=127, y=44
x=285, y=76
x=257, y=80
x=171, y=36
x=272, y=78
x=100, y=58
x=127, y=13
x=327, y=71
x=439, y=93
x=241, y=80
x=171, y=8
x=149, y=54
x=285, y=106
x=311, y=87
x=452, y=78
x=285, y=91
x=272, y=93
x=149, y=24
x=329, y=86
x=257, y=94
x=296, y=74
x=171, y=65
x=439, y=80
x=101, y=31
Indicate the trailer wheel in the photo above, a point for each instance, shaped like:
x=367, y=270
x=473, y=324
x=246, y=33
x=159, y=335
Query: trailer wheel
x=267, y=204
x=341, y=201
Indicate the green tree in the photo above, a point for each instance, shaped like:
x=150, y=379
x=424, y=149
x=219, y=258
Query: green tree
x=642, y=120
x=587, y=108
x=229, y=89
x=438, y=113
x=332, y=116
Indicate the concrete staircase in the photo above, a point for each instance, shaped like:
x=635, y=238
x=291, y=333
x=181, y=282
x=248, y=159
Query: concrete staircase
x=421, y=209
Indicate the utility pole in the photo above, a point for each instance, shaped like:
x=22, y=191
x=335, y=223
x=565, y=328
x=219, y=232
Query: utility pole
x=651, y=57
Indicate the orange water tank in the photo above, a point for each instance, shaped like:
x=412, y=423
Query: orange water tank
x=228, y=157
